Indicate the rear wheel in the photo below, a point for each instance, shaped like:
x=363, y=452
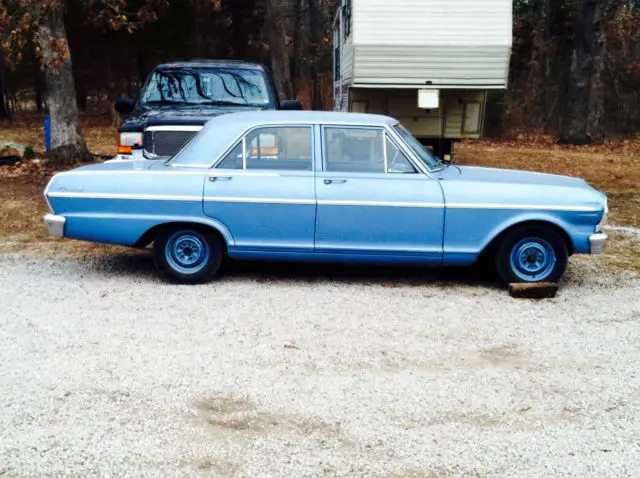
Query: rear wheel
x=188, y=255
x=532, y=254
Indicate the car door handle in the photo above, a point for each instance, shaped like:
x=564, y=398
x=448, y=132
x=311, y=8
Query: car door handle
x=335, y=181
x=220, y=178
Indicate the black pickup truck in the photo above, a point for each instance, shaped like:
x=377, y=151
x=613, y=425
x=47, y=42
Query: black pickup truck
x=178, y=98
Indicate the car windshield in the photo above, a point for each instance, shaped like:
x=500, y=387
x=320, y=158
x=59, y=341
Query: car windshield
x=207, y=86
x=431, y=161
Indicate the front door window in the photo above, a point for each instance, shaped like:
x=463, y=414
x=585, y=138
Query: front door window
x=363, y=150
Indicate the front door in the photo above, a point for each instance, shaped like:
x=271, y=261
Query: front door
x=373, y=201
x=263, y=191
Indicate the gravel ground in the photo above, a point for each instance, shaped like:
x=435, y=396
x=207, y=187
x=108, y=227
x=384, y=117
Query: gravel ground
x=301, y=372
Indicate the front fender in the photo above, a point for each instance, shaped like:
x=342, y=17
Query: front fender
x=469, y=231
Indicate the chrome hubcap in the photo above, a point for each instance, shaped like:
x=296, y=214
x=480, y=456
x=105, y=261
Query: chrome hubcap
x=533, y=259
x=187, y=252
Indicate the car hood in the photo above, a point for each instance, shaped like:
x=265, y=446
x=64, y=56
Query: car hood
x=494, y=186
x=497, y=175
x=140, y=118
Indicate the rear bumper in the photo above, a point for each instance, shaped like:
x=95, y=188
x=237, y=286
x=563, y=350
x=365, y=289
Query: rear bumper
x=598, y=242
x=55, y=224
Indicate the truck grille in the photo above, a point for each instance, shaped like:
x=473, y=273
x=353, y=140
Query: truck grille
x=166, y=143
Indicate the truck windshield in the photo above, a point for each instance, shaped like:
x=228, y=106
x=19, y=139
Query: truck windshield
x=207, y=86
x=431, y=161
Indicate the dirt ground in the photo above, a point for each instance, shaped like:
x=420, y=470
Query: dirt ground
x=613, y=168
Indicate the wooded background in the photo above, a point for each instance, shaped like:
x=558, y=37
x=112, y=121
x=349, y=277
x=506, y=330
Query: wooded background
x=575, y=68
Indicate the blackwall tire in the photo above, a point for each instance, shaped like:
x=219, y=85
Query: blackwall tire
x=188, y=255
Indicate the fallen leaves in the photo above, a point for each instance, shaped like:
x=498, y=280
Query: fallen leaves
x=26, y=168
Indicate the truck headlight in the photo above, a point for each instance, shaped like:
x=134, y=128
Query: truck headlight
x=127, y=141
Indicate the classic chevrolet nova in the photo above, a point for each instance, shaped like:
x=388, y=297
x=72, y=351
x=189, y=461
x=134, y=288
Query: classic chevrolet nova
x=326, y=186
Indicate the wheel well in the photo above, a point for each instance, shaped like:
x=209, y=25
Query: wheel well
x=491, y=248
x=150, y=235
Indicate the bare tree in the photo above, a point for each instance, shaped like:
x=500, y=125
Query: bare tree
x=585, y=108
x=67, y=142
x=280, y=14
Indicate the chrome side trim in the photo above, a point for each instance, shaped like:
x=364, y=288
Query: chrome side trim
x=321, y=202
x=55, y=224
x=525, y=207
x=208, y=172
x=259, y=200
x=150, y=197
x=598, y=242
x=331, y=202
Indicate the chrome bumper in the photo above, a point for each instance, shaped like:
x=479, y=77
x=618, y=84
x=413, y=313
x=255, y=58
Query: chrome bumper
x=55, y=224
x=598, y=242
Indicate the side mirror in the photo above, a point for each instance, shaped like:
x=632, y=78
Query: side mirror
x=290, y=105
x=125, y=105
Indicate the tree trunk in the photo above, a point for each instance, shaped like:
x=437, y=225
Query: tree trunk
x=278, y=16
x=575, y=122
x=67, y=143
x=5, y=111
x=584, y=121
x=595, y=121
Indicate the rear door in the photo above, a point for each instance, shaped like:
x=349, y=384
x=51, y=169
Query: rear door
x=373, y=201
x=263, y=190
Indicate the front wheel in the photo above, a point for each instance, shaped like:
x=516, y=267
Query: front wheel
x=188, y=255
x=532, y=254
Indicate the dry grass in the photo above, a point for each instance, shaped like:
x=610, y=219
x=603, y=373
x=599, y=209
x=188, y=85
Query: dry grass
x=22, y=207
x=613, y=169
x=29, y=131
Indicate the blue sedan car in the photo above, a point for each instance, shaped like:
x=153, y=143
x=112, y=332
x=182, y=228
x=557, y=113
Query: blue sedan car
x=329, y=187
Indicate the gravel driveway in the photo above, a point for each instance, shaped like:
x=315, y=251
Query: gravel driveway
x=106, y=371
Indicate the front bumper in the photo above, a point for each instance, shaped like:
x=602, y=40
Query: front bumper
x=598, y=242
x=55, y=224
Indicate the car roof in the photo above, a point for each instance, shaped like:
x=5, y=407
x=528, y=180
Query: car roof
x=220, y=132
x=208, y=63
x=247, y=119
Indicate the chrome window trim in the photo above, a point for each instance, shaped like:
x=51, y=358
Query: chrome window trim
x=384, y=151
x=244, y=153
x=309, y=125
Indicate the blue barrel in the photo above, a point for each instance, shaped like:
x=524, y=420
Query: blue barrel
x=47, y=133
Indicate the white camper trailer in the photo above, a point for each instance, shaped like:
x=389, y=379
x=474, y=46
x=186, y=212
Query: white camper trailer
x=428, y=63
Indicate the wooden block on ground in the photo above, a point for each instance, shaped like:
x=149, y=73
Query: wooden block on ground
x=542, y=290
